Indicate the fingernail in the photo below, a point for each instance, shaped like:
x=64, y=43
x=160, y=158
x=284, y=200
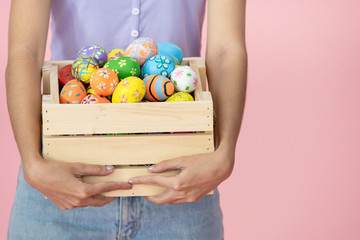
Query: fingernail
x=131, y=181
x=109, y=168
x=152, y=167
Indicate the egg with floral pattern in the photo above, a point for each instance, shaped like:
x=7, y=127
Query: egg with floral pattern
x=95, y=52
x=142, y=49
x=124, y=67
x=73, y=92
x=104, y=81
x=94, y=98
x=129, y=90
x=184, y=78
x=83, y=67
x=159, y=65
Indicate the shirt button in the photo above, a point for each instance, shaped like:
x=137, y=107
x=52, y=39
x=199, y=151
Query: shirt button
x=134, y=33
x=135, y=11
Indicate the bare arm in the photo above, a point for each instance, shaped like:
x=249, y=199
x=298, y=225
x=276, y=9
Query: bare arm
x=28, y=28
x=60, y=182
x=226, y=62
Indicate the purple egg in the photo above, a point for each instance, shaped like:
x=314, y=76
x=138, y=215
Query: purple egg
x=95, y=52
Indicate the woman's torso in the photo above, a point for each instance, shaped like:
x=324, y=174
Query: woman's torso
x=115, y=23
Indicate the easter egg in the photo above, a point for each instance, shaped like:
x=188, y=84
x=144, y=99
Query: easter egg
x=124, y=67
x=184, y=78
x=82, y=68
x=95, y=52
x=180, y=97
x=158, y=88
x=89, y=90
x=104, y=81
x=172, y=50
x=129, y=90
x=93, y=99
x=73, y=92
x=159, y=64
x=115, y=53
x=65, y=74
x=142, y=49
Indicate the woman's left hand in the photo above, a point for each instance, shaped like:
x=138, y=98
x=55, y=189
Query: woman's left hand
x=200, y=174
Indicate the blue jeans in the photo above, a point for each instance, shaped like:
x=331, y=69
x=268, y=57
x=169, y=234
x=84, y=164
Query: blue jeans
x=34, y=217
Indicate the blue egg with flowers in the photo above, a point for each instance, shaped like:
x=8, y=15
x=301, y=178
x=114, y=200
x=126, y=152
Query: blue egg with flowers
x=159, y=64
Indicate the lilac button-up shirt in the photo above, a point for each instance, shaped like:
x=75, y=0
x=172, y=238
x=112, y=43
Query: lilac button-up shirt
x=115, y=23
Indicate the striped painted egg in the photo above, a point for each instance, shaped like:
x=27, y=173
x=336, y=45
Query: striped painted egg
x=158, y=88
x=73, y=92
x=93, y=99
x=83, y=67
x=142, y=49
x=97, y=53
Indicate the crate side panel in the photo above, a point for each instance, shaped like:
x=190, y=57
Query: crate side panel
x=59, y=119
x=126, y=149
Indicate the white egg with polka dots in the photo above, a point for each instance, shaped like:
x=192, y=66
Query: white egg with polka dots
x=184, y=78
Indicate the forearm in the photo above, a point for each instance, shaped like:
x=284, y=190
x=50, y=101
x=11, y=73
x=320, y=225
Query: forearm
x=24, y=103
x=227, y=77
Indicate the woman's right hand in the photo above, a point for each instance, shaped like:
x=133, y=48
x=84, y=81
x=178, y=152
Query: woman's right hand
x=61, y=182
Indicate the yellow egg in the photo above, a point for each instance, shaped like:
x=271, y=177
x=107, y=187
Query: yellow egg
x=89, y=90
x=129, y=90
x=115, y=53
x=180, y=97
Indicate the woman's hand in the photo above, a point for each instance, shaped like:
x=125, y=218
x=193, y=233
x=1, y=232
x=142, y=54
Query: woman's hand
x=61, y=183
x=200, y=174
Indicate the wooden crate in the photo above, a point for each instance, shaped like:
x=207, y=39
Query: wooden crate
x=74, y=132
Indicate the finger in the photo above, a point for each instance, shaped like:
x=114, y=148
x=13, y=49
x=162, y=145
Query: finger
x=97, y=201
x=102, y=187
x=162, y=181
x=166, y=165
x=81, y=169
x=163, y=198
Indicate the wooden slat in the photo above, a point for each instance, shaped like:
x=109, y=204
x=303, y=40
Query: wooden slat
x=46, y=68
x=123, y=174
x=54, y=84
x=202, y=71
x=126, y=118
x=126, y=149
x=198, y=93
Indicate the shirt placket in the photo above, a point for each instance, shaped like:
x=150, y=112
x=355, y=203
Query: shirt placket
x=135, y=14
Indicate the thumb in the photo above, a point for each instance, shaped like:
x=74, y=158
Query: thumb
x=93, y=170
x=167, y=165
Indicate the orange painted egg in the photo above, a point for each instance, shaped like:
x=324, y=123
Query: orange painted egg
x=104, y=81
x=142, y=49
x=73, y=92
x=94, y=98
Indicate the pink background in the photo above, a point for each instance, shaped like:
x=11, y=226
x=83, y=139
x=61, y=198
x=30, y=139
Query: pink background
x=297, y=165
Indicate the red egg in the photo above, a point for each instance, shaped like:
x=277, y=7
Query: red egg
x=65, y=74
